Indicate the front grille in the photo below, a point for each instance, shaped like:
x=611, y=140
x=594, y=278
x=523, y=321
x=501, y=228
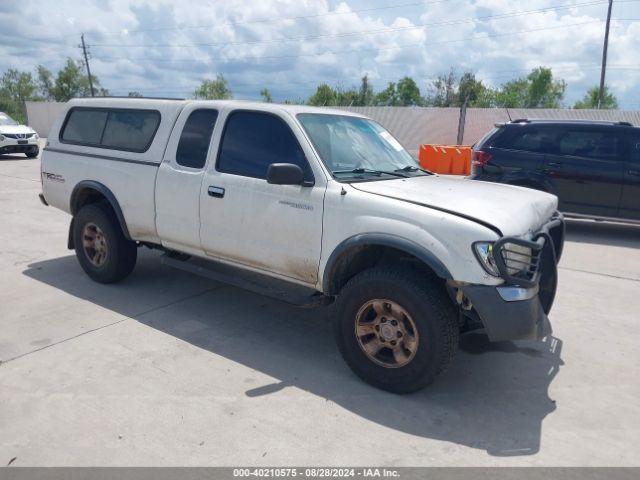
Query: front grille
x=18, y=136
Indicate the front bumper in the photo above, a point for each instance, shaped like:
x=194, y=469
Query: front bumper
x=520, y=317
x=10, y=145
x=518, y=308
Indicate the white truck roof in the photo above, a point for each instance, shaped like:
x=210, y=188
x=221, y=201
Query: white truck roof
x=142, y=102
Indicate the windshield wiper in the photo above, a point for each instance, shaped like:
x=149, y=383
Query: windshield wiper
x=413, y=168
x=371, y=171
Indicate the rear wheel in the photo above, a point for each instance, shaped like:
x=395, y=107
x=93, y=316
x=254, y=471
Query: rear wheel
x=101, y=248
x=396, y=329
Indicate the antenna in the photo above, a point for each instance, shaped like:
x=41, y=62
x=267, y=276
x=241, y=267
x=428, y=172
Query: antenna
x=508, y=114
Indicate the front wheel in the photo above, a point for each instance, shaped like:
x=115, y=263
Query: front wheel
x=32, y=153
x=101, y=248
x=396, y=329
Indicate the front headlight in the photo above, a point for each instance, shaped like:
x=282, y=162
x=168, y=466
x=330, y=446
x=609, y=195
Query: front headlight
x=517, y=258
x=484, y=254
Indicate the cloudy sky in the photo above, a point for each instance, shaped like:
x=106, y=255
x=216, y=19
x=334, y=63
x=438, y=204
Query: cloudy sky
x=166, y=48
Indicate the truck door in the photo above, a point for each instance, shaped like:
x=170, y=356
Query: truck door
x=179, y=179
x=586, y=170
x=244, y=219
x=630, y=202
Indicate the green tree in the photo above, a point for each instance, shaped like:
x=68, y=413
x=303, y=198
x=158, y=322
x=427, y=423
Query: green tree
x=365, y=93
x=217, y=89
x=544, y=91
x=46, y=83
x=474, y=91
x=71, y=82
x=15, y=88
x=266, y=95
x=408, y=92
x=324, y=96
x=348, y=97
x=134, y=94
x=536, y=90
x=512, y=94
x=388, y=96
x=590, y=99
x=18, y=85
x=442, y=91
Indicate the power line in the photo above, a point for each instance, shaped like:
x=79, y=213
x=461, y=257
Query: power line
x=361, y=32
x=412, y=45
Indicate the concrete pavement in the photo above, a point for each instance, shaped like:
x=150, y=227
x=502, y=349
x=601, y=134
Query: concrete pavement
x=166, y=368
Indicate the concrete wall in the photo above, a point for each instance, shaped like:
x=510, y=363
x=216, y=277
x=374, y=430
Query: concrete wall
x=412, y=126
x=41, y=115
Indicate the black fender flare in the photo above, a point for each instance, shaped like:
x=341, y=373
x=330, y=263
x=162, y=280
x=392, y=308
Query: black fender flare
x=384, y=240
x=106, y=193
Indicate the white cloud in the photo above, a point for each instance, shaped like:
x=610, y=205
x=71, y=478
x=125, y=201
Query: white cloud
x=234, y=39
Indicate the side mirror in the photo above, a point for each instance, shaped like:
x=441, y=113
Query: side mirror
x=285, y=174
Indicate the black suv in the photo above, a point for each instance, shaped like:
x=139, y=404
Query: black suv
x=593, y=167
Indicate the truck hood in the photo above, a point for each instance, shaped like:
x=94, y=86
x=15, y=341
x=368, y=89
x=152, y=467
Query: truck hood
x=511, y=210
x=16, y=129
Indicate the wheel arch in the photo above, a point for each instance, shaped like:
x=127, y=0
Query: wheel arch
x=90, y=191
x=364, y=250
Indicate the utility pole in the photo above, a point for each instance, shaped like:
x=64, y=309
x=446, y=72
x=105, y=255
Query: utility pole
x=604, y=55
x=86, y=62
x=462, y=120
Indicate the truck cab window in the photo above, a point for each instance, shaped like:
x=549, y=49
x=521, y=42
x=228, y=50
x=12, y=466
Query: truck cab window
x=254, y=140
x=196, y=138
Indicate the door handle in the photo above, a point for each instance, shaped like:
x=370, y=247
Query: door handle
x=555, y=164
x=217, y=192
x=635, y=173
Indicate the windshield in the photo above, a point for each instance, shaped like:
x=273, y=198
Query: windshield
x=7, y=120
x=353, y=147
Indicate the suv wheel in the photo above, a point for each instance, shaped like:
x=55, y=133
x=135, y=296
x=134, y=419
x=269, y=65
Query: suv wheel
x=32, y=153
x=102, y=250
x=396, y=329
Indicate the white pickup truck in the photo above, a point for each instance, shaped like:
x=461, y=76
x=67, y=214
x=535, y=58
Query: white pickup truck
x=308, y=205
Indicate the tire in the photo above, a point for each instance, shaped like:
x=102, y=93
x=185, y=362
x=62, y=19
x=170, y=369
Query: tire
x=119, y=256
x=427, y=307
x=33, y=154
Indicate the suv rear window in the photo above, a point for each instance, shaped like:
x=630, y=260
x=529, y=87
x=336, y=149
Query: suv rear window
x=117, y=129
x=527, y=139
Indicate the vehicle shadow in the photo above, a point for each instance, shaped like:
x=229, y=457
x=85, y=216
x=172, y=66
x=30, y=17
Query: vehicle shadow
x=603, y=233
x=494, y=396
x=7, y=156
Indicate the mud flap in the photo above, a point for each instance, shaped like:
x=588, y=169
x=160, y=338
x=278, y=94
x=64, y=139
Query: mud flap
x=70, y=243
